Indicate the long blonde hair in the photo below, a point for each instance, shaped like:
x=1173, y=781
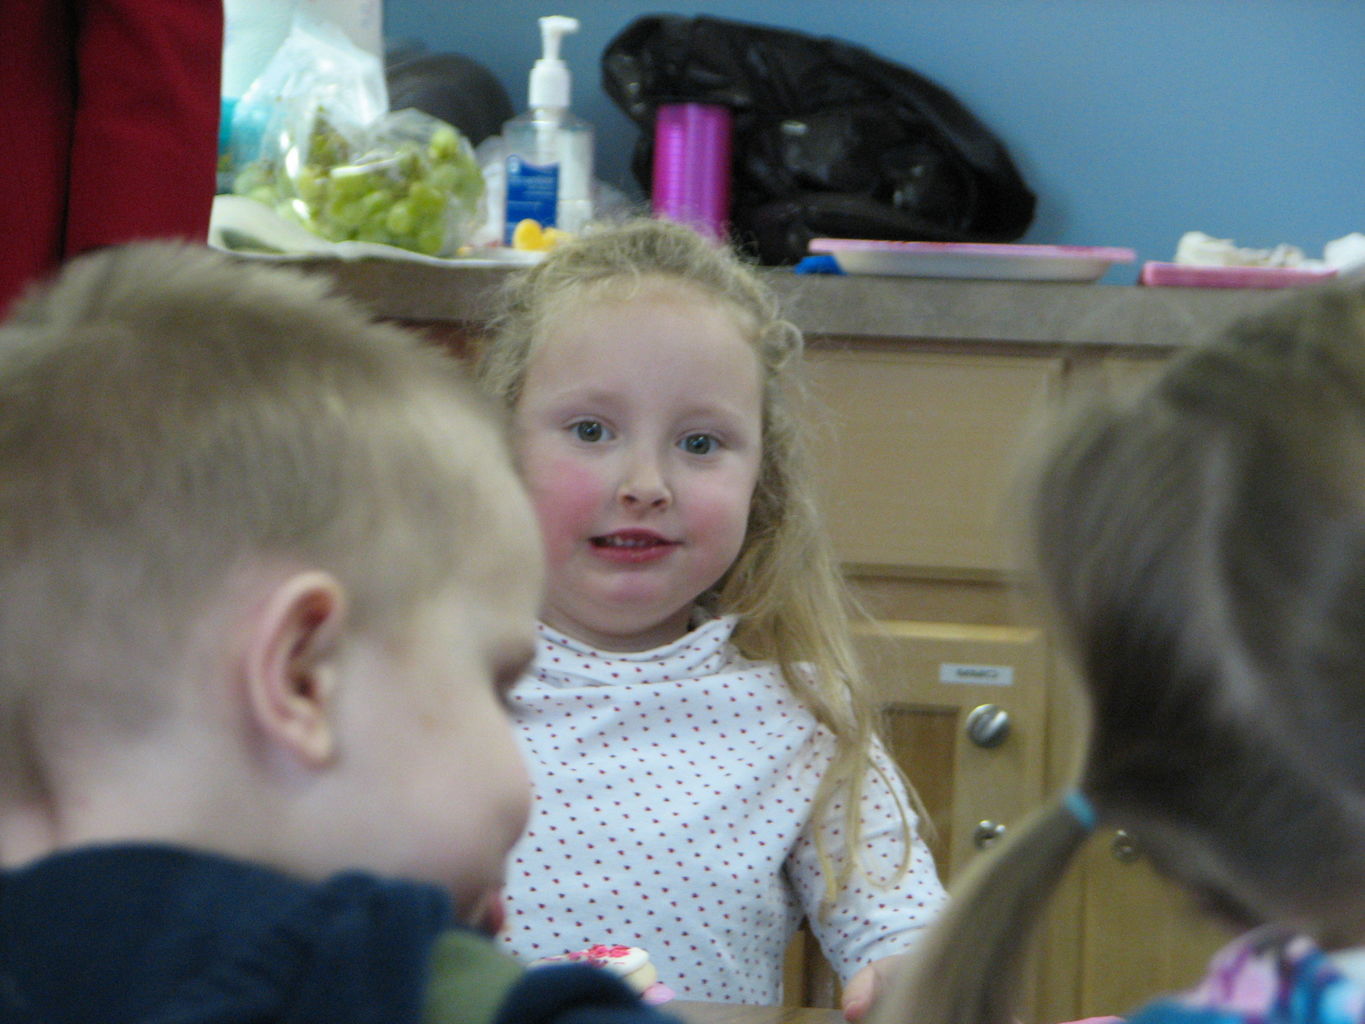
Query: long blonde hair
x=785, y=587
x=1203, y=547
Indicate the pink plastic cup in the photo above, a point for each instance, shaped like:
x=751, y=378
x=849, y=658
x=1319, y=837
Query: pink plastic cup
x=692, y=166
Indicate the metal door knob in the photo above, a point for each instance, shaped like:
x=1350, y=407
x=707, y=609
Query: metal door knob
x=1124, y=847
x=988, y=725
x=986, y=833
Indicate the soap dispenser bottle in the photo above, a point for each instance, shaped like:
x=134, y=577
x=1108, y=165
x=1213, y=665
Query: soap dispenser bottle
x=548, y=150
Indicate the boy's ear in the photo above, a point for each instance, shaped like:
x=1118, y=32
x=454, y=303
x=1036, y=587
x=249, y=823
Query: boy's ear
x=290, y=668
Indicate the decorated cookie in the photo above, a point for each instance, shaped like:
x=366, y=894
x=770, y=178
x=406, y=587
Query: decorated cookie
x=629, y=963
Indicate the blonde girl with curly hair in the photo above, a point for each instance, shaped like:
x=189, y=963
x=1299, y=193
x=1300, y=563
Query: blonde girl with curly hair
x=703, y=749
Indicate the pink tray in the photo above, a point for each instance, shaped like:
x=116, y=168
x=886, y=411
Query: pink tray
x=1182, y=275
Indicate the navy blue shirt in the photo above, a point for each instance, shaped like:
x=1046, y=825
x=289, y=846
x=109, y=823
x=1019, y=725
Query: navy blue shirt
x=162, y=935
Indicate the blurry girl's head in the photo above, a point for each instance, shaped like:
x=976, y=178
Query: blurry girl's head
x=1205, y=547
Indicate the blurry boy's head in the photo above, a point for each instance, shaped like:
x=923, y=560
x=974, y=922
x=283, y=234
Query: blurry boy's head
x=253, y=541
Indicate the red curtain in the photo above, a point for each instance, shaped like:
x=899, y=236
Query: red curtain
x=108, y=127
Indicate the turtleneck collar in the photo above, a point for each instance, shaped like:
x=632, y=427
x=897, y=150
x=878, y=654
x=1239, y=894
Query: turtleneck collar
x=705, y=650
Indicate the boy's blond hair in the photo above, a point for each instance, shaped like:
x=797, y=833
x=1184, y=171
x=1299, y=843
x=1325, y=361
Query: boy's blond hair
x=169, y=415
x=786, y=587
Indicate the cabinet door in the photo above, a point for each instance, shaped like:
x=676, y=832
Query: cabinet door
x=919, y=450
x=964, y=713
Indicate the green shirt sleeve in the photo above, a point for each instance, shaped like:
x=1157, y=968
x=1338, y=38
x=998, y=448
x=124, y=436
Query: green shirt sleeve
x=469, y=979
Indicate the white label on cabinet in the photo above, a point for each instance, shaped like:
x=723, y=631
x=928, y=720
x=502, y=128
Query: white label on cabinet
x=978, y=675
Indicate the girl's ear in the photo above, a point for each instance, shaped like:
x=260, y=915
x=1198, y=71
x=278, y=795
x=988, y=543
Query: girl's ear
x=291, y=674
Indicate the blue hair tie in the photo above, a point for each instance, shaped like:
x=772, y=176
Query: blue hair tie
x=1081, y=809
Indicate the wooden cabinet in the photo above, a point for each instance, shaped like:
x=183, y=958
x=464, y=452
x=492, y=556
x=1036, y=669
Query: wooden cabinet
x=919, y=450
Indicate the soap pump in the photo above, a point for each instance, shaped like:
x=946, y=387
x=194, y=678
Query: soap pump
x=548, y=150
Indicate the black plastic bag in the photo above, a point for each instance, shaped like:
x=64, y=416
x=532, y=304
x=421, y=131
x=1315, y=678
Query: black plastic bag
x=830, y=140
x=451, y=86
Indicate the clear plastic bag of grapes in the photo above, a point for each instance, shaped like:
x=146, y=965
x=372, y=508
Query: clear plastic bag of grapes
x=312, y=138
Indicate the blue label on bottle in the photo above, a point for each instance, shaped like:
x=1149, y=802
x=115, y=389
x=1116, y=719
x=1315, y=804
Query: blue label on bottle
x=532, y=194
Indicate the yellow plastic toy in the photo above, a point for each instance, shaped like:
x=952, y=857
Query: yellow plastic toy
x=528, y=234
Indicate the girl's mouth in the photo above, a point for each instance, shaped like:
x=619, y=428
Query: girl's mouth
x=632, y=545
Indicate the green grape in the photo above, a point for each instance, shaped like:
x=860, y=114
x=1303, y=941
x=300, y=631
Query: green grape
x=444, y=144
x=444, y=177
x=374, y=232
x=409, y=161
x=347, y=183
x=431, y=240
x=400, y=219
x=376, y=202
x=345, y=214
x=327, y=147
x=311, y=183
x=426, y=200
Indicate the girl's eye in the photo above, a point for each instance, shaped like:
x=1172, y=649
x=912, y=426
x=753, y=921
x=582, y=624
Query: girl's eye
x=589, y=430
x=699, y=444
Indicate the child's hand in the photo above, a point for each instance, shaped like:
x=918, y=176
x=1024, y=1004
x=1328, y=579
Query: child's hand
x=488, y=915
x=873, y=981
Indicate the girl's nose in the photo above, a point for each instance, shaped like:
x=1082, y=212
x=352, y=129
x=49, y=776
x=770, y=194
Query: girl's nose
x=643, y=485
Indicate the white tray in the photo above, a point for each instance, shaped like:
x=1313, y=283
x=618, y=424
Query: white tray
x=242, y=225
x=981, y=261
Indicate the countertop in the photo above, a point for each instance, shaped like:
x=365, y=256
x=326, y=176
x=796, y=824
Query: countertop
x=837, y=306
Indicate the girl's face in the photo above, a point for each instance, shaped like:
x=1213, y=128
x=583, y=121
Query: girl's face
x=639, y=431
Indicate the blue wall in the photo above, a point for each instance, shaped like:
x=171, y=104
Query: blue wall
x=1133, y=120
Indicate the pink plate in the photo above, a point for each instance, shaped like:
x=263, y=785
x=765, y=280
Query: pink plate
x=1184, y=275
